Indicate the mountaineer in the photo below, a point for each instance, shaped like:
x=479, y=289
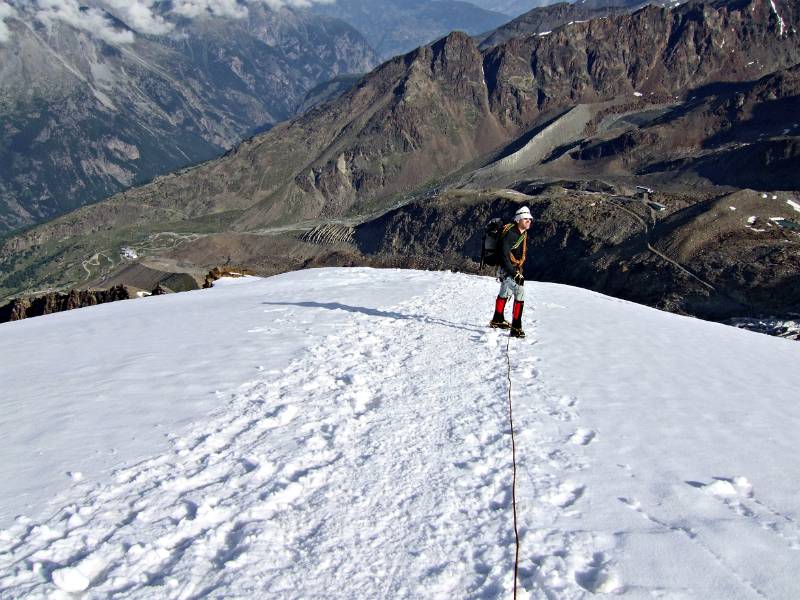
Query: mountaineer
x=513, y=244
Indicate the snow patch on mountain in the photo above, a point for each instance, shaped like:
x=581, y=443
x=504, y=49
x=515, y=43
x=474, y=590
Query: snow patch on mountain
x=781, y=24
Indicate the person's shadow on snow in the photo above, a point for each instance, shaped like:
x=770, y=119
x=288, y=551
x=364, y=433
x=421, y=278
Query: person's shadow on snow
x=374, y=312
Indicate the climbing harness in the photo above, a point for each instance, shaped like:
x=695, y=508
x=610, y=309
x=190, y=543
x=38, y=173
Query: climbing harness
x=514, y=476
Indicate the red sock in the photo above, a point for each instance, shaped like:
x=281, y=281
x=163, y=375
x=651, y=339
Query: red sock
x=500, y=305
x=517, y=311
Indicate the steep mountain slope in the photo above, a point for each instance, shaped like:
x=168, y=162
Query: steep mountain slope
x=445, y=115
x=520, y=8
x=327, y=91
x=395, y=27
x=707, y=139
x=84, y=117
x=547, y=18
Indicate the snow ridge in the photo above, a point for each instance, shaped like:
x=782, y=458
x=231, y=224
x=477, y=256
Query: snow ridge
x=377, y=462
x=310, y=479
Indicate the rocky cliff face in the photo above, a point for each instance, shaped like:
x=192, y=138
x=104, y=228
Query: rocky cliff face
x=656, y=52
x=547, y=18
x=84, y=117
x=23, y=308
x=738, y=134
x=438, y=113
x=701, y=258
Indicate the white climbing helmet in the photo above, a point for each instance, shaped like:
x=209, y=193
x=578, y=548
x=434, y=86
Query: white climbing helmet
x=522, y=213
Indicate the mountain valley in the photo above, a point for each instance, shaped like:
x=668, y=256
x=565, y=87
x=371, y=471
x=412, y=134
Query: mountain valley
x=85, y=117
x=395, y=27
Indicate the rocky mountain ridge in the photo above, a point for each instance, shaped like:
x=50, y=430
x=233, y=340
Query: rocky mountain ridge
x=545, y=19
x=25, y=308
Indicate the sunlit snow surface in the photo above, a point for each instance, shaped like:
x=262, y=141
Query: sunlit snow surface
x=343, y=433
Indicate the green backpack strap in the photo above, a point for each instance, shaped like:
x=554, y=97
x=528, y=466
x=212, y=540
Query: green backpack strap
x=506, y=229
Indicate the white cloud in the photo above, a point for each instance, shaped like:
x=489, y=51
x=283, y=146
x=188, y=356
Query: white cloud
x=234, y=8
x=139, y=15
x=6, y=11
x=294, y=3
x=217, y=8
x=93, y=20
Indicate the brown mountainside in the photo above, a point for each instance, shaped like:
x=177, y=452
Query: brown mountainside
x=547, y=18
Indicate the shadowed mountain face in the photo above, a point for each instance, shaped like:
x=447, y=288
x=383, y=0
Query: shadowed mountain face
x=738, y=135
x=83, y=118
x=628, y=99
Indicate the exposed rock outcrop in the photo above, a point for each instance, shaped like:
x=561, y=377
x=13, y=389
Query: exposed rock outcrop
x=23, y=308
x=547, y=18
x=704, y=259
x=220, y=272
x=329, y=234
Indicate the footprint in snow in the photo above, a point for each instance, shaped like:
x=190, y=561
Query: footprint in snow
x=561, y=415
x=528, y=373
x=568, y=401
x=582, y=437
x=501, y=500
x=724, y=488
x=737, y=494
x=565, y=495
x=361, y=400
x=282, y=415
x=597, y=577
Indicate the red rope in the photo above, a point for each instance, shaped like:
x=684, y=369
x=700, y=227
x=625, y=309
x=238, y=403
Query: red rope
x=514, y=477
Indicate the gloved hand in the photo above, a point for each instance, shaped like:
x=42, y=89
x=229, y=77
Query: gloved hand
x=519, y=279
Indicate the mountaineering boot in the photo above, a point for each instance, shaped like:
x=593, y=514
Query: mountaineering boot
x=516, y=321
x=498, y=320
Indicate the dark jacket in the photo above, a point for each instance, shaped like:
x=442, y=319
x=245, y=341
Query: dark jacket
x=514, y=245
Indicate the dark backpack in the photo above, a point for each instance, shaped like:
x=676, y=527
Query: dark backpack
x=492, y=242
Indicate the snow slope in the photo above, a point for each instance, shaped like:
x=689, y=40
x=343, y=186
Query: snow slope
x=343, y=433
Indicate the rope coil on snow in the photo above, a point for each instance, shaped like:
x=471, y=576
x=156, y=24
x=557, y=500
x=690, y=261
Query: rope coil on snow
x=514, y=477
